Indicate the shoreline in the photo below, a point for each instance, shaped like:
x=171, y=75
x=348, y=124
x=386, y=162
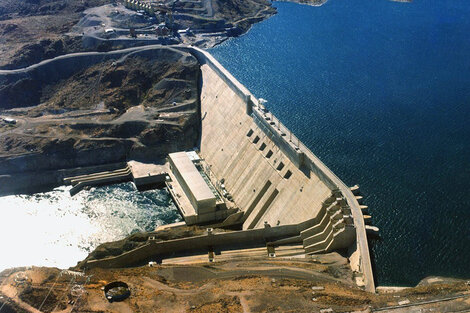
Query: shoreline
x=346, y=191
x=313, y=3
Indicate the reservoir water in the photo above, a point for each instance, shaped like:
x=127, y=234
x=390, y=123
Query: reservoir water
x=380, y=91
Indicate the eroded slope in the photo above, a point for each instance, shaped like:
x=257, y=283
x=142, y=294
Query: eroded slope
x=142, y=105
x=35, y=30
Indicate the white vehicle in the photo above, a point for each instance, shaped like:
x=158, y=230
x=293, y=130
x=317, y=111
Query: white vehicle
x=9, y=120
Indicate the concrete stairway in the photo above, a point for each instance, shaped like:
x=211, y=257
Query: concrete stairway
x=82, y=181
x=334, y=228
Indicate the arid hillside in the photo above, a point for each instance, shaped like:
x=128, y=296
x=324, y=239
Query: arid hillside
x=134, y=107
x=36, y=30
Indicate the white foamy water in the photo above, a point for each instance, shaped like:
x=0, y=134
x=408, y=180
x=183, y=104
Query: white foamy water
x=55, y=229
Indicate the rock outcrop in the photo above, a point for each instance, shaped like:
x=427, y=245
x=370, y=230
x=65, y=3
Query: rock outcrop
x=96, y=109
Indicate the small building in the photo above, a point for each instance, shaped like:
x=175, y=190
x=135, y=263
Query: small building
x=184, y=31
x=193, y=184
x=193, y=156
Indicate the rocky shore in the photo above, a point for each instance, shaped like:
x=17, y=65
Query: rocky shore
x=315, y=3
x=58, y=116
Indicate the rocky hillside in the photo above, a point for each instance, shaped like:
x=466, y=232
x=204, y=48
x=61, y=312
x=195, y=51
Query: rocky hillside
x=139, y=107
x=14, y=8
x=35, y=30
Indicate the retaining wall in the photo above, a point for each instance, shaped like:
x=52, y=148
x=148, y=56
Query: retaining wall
x=153, y=249
x=46, y=180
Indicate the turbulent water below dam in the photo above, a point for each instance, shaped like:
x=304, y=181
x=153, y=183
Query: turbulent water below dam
x=54, y=229
x=380, y=91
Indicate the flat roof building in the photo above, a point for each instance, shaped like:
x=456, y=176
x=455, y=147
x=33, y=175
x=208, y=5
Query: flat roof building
x=192, y=183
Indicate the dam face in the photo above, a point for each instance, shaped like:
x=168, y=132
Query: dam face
x=274, y=179
x=266, y=185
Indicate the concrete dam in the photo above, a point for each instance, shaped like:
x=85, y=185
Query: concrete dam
x=272, y=176
x=248, y=171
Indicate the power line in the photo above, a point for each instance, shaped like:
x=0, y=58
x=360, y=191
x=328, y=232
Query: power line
x=83, y=291
x=3, y=283
x=72, y=280
x=50, y=290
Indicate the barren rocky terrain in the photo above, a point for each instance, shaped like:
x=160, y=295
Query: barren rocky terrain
x=137, y=106
x=130, y=109
x=140, y=106
x=253, y=285
x=35, y=30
